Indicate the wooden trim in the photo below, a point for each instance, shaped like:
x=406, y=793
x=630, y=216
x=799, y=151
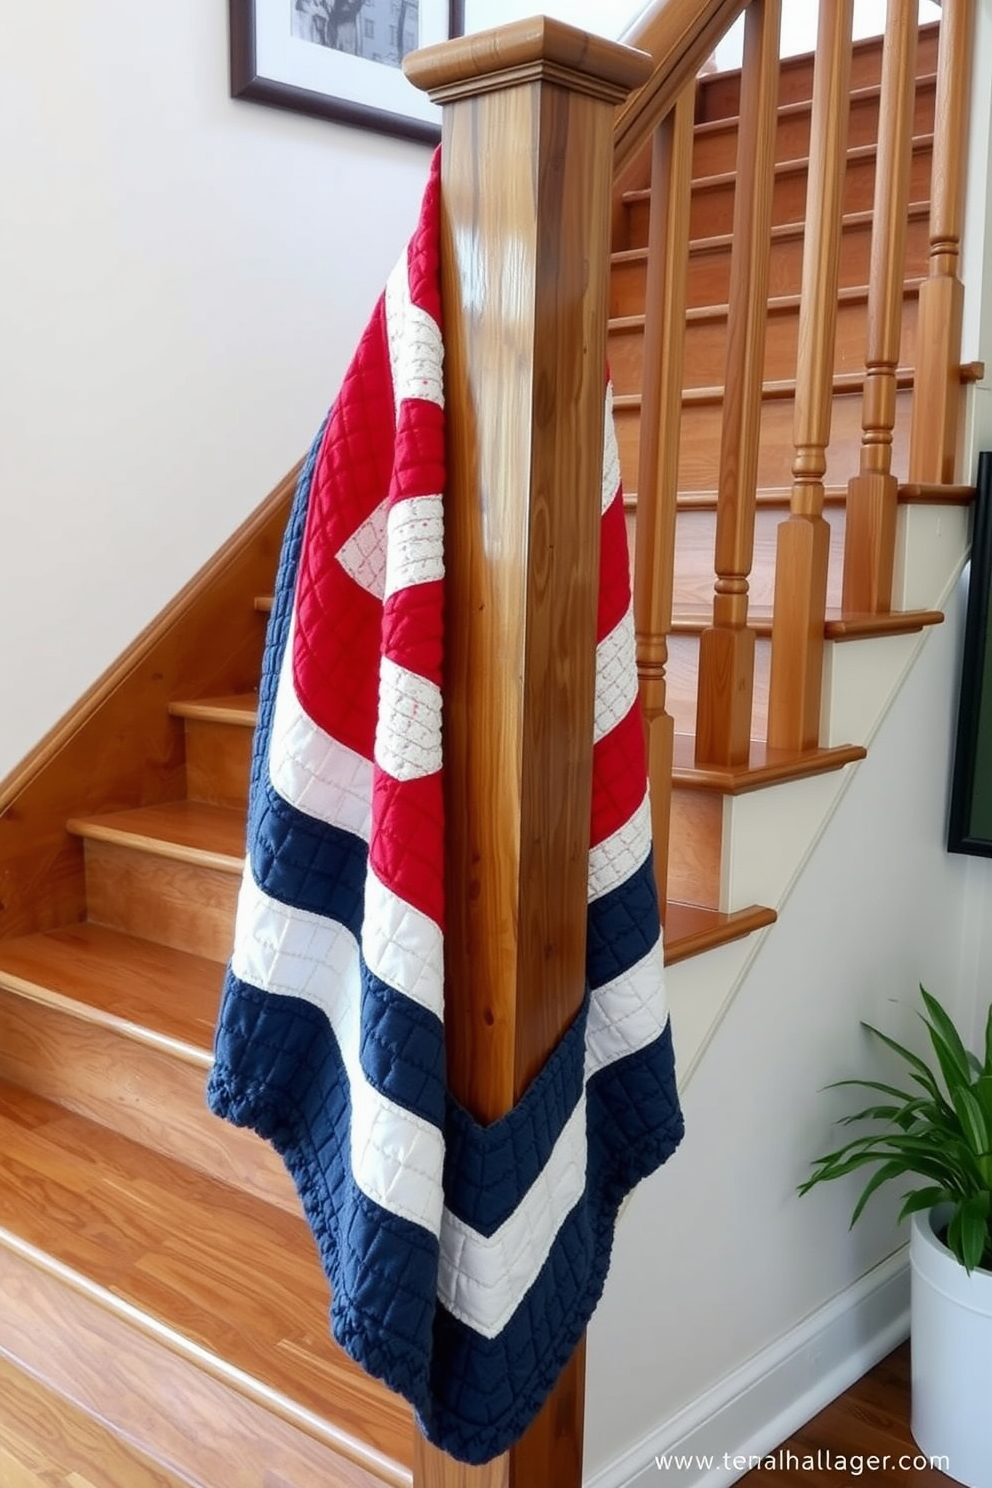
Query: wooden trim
x=118, y=747
x=764, y=766
x=691, y=929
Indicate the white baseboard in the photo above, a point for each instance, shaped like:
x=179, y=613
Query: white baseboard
x=760, y=1405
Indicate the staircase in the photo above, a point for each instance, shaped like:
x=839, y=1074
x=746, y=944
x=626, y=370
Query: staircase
x=159, y=1290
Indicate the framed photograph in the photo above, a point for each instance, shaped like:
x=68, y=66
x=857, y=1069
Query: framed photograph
x=340, y=59
x=970, y=828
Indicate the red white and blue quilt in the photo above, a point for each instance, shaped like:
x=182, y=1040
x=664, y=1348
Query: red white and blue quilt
x=464, y=1260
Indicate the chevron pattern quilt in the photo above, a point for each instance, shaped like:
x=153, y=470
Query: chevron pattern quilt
x=464, y=1260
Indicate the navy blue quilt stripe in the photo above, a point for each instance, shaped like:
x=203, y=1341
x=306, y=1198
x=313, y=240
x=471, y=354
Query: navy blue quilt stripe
x=402, y=1049
x=615, y=933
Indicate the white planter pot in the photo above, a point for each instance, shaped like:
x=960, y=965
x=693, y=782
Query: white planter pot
x=951, y=1344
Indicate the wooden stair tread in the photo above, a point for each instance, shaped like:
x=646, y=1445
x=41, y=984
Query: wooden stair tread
x=777, y=304
x=150, y=992
x=800, y=164
x=691, y=929
x=840, y=625
x=263, y=602
x=218, y=1275
x=845, y=384
x=920, y=493
x=237, y=708
x=212, y=836
x=910, y=494
x=801, y=105
x=766, y=766
x=779, y=231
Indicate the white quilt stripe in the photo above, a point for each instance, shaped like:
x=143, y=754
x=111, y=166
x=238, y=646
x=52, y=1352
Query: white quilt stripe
x=416, y=353
x=611, y=453
x=363, y=556
x=618, y=857
x=414, y=543
x=627, y=1013
x=311, y=770
x=403, y=947
x=397, y=1158
x=408, y=728
x=616, y=676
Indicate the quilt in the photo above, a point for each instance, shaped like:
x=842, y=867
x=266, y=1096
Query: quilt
x=464, y=1260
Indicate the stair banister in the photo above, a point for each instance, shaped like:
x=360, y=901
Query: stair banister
x=803, y=546
x=525, y=189
x=725, y=681
x=658, y=456
x=873, y=494
x=933, y=437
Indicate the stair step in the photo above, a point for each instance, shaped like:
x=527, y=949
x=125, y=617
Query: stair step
x=189, y=1317
x=719, y=95
x=120, y=1030
x=766, y=766
x=705, y=355
x=715, y=141
x=691, y=929
x=46, y=1440
x=839, y=625
x=167, y=873
x=708, y=280
x=712, y=207
x=218, y=747
x=699, y=444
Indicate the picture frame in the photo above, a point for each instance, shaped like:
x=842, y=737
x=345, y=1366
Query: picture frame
x=340, y=59
x=970, y=818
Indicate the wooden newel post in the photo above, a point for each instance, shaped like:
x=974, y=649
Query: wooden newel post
x=527, y=159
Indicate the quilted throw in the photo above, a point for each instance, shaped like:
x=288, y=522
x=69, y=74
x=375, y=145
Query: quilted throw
x=464, y=1260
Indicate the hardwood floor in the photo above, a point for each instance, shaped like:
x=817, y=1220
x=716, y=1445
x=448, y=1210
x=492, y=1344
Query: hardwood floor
x=870, y=1421
x=45, y=1443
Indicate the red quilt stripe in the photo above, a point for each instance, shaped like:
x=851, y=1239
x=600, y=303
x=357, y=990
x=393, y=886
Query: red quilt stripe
x=403, y=849
x=619, y=776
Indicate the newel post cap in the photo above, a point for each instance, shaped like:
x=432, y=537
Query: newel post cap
x=539, y=49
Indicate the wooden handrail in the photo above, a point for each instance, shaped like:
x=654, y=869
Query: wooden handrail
x=873, y=494
x=938, y=334
x=803, y=546
x=725, y=681
x=525, y=197
x=658, y=457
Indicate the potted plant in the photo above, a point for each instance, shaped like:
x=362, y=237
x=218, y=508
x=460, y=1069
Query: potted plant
x=938, y=1132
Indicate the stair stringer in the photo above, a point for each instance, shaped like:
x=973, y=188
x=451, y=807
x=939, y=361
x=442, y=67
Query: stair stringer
x=769, y=835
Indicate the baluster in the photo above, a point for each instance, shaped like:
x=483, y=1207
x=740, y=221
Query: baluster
x=873, y=494
x=938, y=328
x=726, y=649
x=804, y=538
x=658, y=453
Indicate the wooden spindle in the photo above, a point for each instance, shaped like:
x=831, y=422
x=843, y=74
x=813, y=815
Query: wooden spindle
x=873, y=494
x=658, y=452
x=933, y=437
x=526, y=173
x=803, y=547
x=726, y=648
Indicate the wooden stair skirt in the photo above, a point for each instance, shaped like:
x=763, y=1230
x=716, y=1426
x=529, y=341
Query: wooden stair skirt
x=163, y=1314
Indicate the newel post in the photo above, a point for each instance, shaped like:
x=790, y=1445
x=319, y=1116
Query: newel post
x=527, y=159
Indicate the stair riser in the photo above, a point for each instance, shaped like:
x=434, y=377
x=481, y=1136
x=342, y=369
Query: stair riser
x=708, y=281
x=695, y=545
x=715, y=150
x=695, y=847
x=177, y=904
x=146, y=1094
x=700, y=443
x=218, y=762
x=681, y=679
x=720, y=98
x=172, y=1410
x=706, y=346
x=712, y=208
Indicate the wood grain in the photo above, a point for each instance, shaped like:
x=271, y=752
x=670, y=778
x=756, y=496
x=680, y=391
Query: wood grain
x=180, y=904
x=696, y=848
x=691, y=929
x=726, y=648
x=873, y=494
x=654, y=544
x=527, y=164
x=137, y=1280
x=935, y=424
x=118, y=747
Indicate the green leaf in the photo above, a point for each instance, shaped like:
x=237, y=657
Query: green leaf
x=885, y=1174
x=967, y=1233
x=922, y=1071
x=946, y=1042
x=972, y=1120
x=988, y=1042
x=923, y=1198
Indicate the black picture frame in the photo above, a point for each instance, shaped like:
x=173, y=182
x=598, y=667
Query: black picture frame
x=249, y=79
x=970, y=819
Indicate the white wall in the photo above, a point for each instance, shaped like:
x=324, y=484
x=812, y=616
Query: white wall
x=717, y=1257
x=182, y=280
